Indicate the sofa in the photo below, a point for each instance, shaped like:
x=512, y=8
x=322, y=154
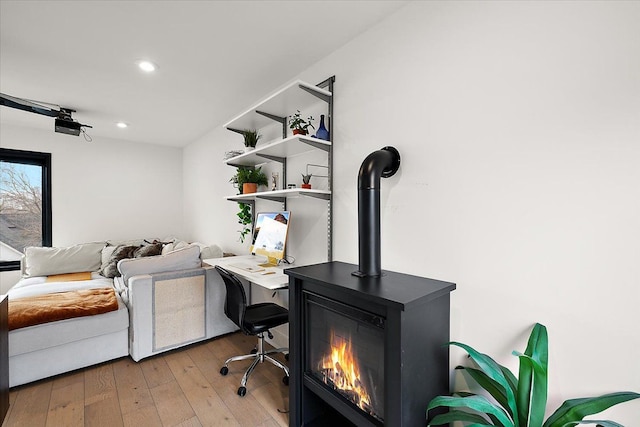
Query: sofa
x=158, y=297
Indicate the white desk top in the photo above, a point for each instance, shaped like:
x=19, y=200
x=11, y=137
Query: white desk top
x=270, y=278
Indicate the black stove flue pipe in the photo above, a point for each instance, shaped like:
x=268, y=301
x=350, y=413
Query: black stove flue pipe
x=382, y=163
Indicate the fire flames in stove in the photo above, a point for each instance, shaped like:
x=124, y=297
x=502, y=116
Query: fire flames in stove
x=340, y=370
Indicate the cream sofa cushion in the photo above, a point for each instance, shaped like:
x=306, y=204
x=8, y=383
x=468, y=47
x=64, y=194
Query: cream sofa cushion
x=48, y=261
x=181, y=259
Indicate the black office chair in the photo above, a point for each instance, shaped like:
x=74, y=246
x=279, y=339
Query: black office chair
x=255, y=319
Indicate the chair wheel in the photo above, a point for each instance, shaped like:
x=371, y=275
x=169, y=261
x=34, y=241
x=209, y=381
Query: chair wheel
x=285, y=380
x=242, y=391
x=224, y=370
x=286, y=357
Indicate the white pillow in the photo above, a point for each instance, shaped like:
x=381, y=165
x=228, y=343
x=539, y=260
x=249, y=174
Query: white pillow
x=73, y=259
x=211, y=251
x=181, y=259
x=107, y=251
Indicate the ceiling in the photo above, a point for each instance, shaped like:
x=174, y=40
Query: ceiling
x=215, y=58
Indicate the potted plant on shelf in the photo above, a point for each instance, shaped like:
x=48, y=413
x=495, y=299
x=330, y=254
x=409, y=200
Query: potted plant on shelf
x=251, y=138
x=305, y=181
x=298, y=125
x=519, y=402
x=248, y=178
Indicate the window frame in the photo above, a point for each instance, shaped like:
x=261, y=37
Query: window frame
x=44, y=161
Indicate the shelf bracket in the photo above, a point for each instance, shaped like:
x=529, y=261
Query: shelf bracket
x=237, y=165
x=282, y=120
x=273, y=158
x=239, y=200
x=240, y=131
x=273, y=199
x=321, y=96
x=318, y=145
x=316, y=195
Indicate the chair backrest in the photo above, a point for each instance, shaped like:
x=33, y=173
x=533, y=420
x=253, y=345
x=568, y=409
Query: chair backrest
x=236, y=301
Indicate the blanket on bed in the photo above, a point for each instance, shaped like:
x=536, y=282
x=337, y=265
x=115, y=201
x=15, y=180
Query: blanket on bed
x=38, y=309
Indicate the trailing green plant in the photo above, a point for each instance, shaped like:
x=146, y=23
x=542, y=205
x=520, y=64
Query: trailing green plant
x=251, y=137
x=519, y=402
x=244, y=175
x=297, y=122
x=244, y=219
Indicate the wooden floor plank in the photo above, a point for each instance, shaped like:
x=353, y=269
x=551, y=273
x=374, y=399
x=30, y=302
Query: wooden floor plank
x=246, y=410
x=276, y=399
x=142, y=417
x=204, y=400
x=102, y=407
x=181, y=388
x=156, y=371
x=66, y=407
x=192, y=422
x=172, y=405
x=31, y=405
x=133, y=393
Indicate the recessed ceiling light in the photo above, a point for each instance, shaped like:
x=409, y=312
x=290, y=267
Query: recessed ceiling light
x=122, y=125
x=147, y=66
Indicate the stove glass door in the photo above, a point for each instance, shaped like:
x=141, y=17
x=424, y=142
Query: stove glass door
x=345, y=351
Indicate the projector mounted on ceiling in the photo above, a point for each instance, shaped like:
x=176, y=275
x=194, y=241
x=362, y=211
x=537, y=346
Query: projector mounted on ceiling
x=64, y=123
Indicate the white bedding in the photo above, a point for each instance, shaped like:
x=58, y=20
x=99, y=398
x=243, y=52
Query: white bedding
x=47, y=349
x=31, y=286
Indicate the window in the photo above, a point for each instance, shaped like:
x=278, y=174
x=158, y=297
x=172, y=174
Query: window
x=25, y=204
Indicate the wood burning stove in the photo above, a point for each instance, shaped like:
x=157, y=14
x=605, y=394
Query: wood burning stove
x=365, y=351
x=367, y=346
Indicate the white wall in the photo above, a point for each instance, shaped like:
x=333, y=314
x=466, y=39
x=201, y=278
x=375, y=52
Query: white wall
x=107, y=189
x=519, y=132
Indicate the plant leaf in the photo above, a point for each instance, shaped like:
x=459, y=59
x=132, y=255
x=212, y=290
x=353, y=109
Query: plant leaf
x=457, y=415
x=511, y=379
x=600, y=423
x=493, y=370
x=574, y=410
x=489, y=385
x=532, y=382
x=476, y=403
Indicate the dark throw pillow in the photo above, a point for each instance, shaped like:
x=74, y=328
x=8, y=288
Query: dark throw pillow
x=148, y=250
x=120, y=252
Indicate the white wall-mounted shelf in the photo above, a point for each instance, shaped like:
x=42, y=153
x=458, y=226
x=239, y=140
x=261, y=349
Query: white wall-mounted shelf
x=283, y=103
x=281, y=194
x=288, y=147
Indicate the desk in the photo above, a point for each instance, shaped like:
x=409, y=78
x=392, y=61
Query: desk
x=275, y=280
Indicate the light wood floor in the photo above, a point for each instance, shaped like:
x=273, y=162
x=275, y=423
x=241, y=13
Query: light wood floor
x=178, y=388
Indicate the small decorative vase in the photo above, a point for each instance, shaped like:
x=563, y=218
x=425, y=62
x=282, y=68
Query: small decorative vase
x=249, y=187
x=299, y=132
x=307, y=186
x=322, y=132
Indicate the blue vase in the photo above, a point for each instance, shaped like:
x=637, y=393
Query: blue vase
x=322, y=132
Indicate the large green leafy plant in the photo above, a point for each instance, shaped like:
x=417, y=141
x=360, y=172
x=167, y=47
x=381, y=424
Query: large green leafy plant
x=519, y=402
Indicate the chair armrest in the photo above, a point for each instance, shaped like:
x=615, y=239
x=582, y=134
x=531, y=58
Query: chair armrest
x=166, y=310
